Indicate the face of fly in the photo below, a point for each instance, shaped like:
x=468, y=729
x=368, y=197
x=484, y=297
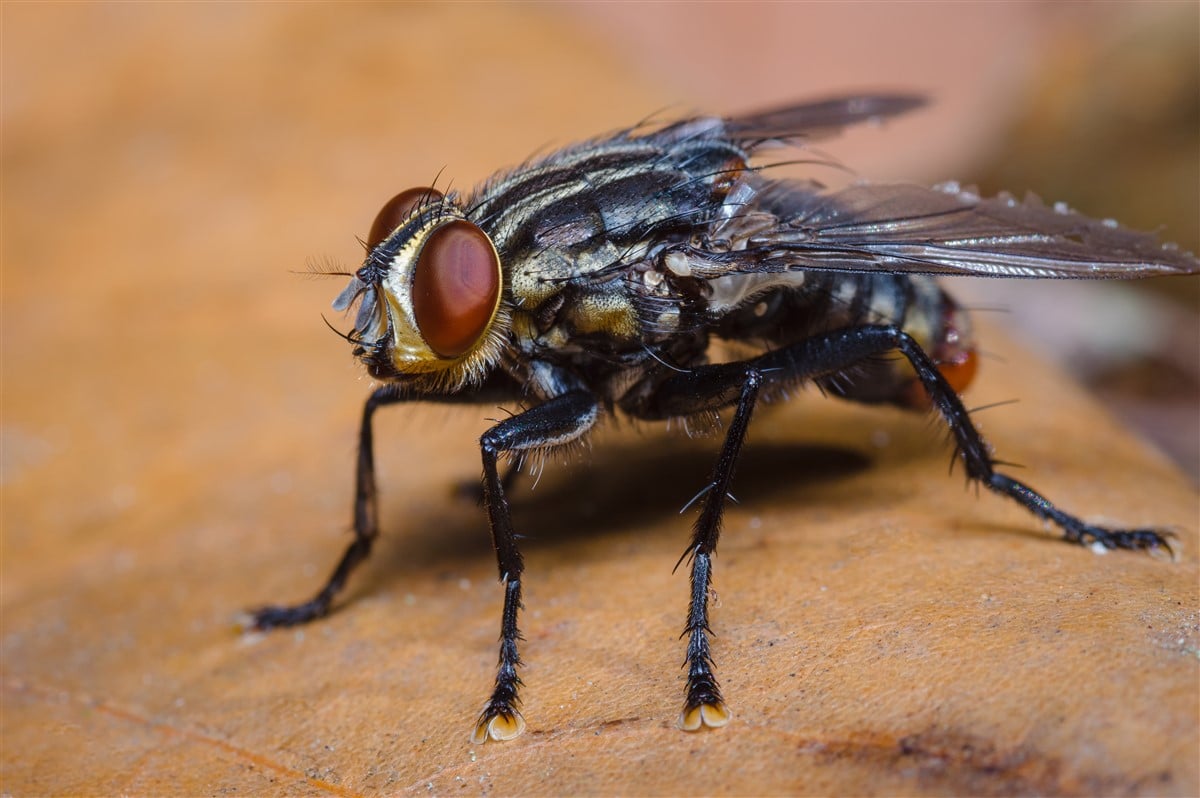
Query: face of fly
x=429, y=293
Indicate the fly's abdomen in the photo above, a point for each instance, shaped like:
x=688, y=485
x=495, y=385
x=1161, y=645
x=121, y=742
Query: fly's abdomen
x=923, y=309
x=943, y=329
x=782, y=309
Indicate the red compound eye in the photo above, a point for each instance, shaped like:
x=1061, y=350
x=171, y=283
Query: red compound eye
x=456, y=285
x=396, y=210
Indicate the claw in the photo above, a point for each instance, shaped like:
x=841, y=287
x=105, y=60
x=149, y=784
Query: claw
x=277, y=617
x=1149, y=540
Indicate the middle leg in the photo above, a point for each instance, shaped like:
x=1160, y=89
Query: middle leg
x=558, y=421
x=704, y=705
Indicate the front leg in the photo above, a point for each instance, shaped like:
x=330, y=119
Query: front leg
x=558, y=421
x=498, y=387
x=366, y=528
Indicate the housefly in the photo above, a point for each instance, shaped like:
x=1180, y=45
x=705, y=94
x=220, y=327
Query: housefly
x=593, y=281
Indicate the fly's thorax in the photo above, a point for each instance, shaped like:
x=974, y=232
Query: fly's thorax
x=538, y=273
x=430, y=294
x=607, y=312
x=575, y=315
x=562, y=296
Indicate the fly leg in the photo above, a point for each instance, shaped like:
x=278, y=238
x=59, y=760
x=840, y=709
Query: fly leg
x=704, y=705
x=366, y=518
x=712, y=387
x=981, y=466
x=558, y=421
x=708, y=388
x=834, y=351
x=472, y=490
x=366, y=529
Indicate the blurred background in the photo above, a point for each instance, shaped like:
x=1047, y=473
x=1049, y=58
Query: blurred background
x=170, y=172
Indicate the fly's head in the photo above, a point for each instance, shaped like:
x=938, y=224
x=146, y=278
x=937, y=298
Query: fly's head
x=430, y=312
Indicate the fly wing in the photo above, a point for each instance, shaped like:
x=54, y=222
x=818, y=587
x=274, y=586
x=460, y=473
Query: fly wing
x=946, y=230
x=818, y=119
x=787, y=123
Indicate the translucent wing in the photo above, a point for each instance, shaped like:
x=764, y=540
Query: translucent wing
x=821, y=118
x=945, y=230
x=809, y=121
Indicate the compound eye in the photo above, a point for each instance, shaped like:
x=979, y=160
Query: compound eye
x=396, y=210
x=456, y=287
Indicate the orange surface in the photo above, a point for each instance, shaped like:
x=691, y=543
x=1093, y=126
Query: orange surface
x=178, y=439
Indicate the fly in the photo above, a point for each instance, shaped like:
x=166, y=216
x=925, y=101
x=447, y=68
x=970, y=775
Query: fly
x=592, y=282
